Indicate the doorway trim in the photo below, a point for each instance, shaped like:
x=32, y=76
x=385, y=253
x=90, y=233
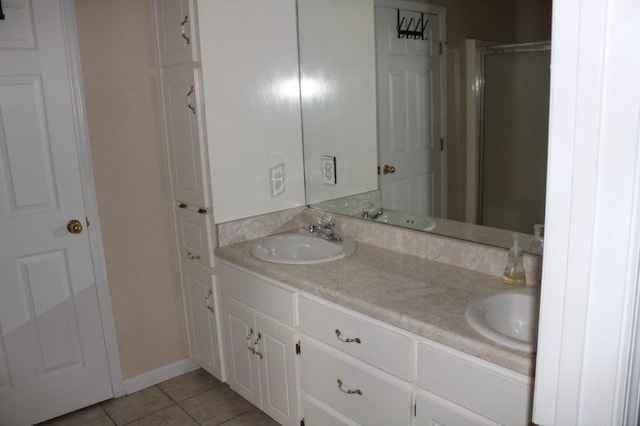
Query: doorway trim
x=89, y=193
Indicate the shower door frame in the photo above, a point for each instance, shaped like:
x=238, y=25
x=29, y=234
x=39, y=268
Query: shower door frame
x=476, y=52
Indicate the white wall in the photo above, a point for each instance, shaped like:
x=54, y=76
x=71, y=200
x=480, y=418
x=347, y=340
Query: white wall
x=337, y=57
x=250, y=72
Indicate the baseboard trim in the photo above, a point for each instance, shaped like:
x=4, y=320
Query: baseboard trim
x=153, y=377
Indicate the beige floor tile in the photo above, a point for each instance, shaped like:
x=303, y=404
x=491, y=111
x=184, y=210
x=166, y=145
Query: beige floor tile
x=131, y=407
x=172, y=416
x=189, y=384
x=215, y=406
x=253, y=417
x=93, y=415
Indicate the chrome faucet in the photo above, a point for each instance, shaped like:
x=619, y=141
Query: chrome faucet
x=324, y=228
x=369, y=211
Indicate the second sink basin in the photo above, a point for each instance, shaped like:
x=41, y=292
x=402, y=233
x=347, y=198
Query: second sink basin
x=509, y=317
x=297, y=248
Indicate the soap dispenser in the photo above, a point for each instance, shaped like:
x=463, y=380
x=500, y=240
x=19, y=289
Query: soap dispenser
x=538, y=241
x=514, y=274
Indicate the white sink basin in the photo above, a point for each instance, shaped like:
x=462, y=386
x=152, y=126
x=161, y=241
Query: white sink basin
x=297, y=248
x=509, y=317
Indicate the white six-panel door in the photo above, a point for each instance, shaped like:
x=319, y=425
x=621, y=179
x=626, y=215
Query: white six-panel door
x=410, y=120
x=52, y=351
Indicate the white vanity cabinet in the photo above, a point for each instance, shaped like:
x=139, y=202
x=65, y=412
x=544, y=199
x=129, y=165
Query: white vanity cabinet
x=185, y=135
x=176, y=23
x=202, y=304
x=353, y=369
x=260, y=343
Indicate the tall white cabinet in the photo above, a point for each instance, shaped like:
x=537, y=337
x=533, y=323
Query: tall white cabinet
x=231, y=103
x=187, y=149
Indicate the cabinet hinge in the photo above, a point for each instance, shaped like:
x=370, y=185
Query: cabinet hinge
x=441, y=144
x=182, y=205
x=88, y=223
x=298, y=350
x=441, y=47
x=415, y=409
x=302, y=422
x=202, y=211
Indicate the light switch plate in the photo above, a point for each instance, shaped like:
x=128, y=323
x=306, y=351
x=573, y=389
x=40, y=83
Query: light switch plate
x=329, y=170
x=276, y=176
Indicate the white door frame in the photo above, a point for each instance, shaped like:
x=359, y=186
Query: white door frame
x=441, y=12
x=591, y=265
x=90, y=199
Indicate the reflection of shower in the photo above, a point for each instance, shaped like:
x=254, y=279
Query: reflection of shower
x=507, y=161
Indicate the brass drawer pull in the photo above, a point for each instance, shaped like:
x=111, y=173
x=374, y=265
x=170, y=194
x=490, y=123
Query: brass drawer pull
x=347, y=339
x=189, y=93
x=184, y=22
x=207, y=298
x=259, y=354
x=249, y=346
x=349, y=391
x=193, y=256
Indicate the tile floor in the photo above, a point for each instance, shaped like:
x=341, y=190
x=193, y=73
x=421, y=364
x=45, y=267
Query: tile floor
x=195, y=398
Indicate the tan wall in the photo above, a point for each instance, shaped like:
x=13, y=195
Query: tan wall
x=125, y=129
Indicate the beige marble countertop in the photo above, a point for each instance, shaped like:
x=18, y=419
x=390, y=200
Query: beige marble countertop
x=421, y=296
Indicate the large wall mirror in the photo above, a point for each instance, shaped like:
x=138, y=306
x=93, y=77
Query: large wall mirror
x=429, y=115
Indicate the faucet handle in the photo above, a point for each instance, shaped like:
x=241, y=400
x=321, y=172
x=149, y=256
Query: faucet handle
x=326, y=220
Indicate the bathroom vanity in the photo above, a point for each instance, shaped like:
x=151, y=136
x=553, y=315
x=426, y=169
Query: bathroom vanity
x=378, y=337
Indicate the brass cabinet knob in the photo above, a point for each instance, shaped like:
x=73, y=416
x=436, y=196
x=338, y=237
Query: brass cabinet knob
x=74, y=226
x=387, y=169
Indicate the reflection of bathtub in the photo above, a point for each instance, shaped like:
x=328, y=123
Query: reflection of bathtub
x=406, y=220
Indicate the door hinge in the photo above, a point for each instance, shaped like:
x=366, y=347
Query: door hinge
x=415, y=409
x=441, y=144
x=298, y=348
x=441, y=47
x=302, y=422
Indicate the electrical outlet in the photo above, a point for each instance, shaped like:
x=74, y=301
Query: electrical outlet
x=329, y=170
x=276, y=176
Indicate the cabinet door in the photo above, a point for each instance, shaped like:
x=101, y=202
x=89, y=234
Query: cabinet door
x=176, y=22
x=200, y=302
x=240, y=337
x=431, y=410
x=278, y=378
x=185, y=133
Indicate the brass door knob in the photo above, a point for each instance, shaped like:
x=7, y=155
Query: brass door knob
x=387, y=169
x=74, y=226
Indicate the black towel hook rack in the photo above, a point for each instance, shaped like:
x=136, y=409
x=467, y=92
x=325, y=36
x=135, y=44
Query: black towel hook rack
x=410, y=28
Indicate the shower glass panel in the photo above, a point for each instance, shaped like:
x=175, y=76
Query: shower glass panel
x=514, y=133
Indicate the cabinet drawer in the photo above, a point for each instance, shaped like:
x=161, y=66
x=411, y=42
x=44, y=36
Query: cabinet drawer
x=496, y=393
x=432, y=410
x=375, y=398
x=378, y=345
x=261, y=295
x=196, y=236
x=314, y=415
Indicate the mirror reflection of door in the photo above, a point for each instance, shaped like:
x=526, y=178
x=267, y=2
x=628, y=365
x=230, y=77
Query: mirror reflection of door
x=514, y=120
x=410, y=113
